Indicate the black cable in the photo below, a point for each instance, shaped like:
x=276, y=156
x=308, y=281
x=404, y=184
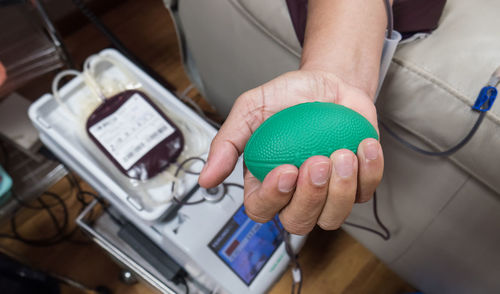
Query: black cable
x=181, y=165
x=61, y=227
x=80, y=193
x=445, y=153
x=450, y=151
x=95, y=196
x=80, y=196
x=43, y=242
x=43, y=206
x=234, y=185
x=183, y=281
x=299, y=286
x=390, y=18
x=296, y=289
x=23, y=203
x=119, y=45
x=179, y=168
x=180, y=202
x=40, y=207
x=386, y=235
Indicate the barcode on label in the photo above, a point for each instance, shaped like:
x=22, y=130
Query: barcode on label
x=134, y=152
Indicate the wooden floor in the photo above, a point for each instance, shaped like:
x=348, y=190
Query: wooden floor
x=332, y=262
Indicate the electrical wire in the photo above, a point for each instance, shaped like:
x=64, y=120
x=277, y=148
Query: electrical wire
x=23, y=203
x=42, y=242
x=234, y=185
x=61, y=227
x=386, y=235
x=445, y=153
x=450, y=151
x=182, y=280
x=180, y=168
x=80, y=195
x=43, y=205
x=390, y=18
x=296, y=285
x=180, y=202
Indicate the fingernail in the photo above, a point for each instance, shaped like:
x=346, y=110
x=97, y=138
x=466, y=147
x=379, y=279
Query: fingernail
x=371, y=150
x=343, y=165
x=319, y=173
x=286, y=181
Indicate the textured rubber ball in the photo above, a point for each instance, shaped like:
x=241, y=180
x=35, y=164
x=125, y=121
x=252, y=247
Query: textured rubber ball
x=294, y=134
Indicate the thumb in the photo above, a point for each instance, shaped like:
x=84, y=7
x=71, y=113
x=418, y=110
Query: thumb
x=227, y=145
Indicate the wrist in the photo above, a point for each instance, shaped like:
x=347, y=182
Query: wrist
x=346, y=76
x=345, y=38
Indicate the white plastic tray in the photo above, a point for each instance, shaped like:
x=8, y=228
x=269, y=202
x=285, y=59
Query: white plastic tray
x=58, y=132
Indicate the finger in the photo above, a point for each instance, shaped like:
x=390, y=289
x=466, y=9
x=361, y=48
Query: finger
x=301, y=213
x=371, y=168
x=264, y=200
x=228, y=144
x=341, y=190
x=222, y=158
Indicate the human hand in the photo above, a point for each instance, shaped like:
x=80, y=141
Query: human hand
x=323, y=190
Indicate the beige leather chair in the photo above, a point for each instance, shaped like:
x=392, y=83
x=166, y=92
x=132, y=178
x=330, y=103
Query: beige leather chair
x=443, y=213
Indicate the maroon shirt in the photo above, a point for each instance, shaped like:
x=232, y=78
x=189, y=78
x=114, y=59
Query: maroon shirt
x=410, y=16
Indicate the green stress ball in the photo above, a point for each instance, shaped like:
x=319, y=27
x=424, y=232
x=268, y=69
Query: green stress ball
x=294, y=134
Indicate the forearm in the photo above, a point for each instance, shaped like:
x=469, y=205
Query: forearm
x=345, y=37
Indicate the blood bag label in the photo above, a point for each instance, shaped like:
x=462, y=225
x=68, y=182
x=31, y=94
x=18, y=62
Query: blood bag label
x=131, y=131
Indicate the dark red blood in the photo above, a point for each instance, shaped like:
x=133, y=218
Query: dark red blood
x=154, y=161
